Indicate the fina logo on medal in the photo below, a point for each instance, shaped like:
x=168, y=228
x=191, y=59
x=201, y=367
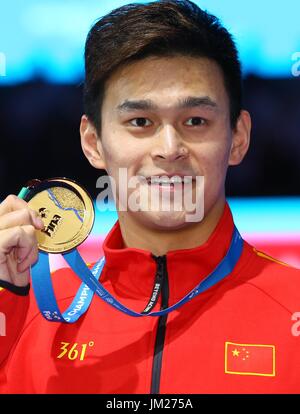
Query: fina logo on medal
x=53, y=225
x=51, y=229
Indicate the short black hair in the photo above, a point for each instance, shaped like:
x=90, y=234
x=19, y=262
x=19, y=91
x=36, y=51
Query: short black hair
x=159, y=28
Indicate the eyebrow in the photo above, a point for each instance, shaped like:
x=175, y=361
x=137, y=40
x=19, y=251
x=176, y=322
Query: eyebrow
x=147, y=104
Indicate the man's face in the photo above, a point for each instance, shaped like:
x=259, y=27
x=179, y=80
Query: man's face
x=183, y=130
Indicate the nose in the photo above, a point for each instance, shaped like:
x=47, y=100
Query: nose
x=169, y=145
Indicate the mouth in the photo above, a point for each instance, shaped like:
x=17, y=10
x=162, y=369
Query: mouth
x=170, y=182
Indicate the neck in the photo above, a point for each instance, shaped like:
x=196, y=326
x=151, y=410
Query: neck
x=159, y=242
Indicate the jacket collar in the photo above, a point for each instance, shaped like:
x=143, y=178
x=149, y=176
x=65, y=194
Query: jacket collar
x=131, y=272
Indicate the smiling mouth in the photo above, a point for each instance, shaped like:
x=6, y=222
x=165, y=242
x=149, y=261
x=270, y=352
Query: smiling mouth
x=169, y=182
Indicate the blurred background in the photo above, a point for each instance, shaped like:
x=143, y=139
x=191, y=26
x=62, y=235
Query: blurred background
x=41, y=74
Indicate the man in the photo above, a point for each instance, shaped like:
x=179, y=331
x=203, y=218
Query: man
x=162, y=98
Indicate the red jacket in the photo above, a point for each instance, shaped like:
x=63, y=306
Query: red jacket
x=237, y=337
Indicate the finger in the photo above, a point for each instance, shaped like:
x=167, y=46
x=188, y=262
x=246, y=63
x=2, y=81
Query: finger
x=13, y=203
x=17, y=278
x=21, y=238
x=29, y=260
x=26, y=242
x=17, y=244
x=22, y=217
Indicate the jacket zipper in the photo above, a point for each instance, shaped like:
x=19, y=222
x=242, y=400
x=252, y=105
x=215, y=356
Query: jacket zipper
x=162, y=273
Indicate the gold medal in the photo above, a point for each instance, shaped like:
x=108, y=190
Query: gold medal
x=67, y=211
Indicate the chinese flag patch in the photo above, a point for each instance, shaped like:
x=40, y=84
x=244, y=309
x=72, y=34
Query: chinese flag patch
x=249, y=359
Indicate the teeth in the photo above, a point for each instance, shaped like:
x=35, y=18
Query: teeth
x=168, y=181
x=188, y=179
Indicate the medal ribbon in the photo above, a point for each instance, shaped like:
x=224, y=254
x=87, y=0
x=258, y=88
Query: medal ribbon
x=45, y=296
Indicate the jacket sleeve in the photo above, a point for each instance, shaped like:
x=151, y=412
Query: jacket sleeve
x=14, y=304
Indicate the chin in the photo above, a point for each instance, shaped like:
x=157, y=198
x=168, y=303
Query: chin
x=164, y=220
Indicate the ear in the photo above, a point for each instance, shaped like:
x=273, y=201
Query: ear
x=91, y=143
x=240, y=138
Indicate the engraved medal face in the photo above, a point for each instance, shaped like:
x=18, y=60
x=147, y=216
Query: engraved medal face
x=67, y=211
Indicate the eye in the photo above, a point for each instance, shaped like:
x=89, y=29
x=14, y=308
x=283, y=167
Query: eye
x=197, y=121
x=140, y=122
